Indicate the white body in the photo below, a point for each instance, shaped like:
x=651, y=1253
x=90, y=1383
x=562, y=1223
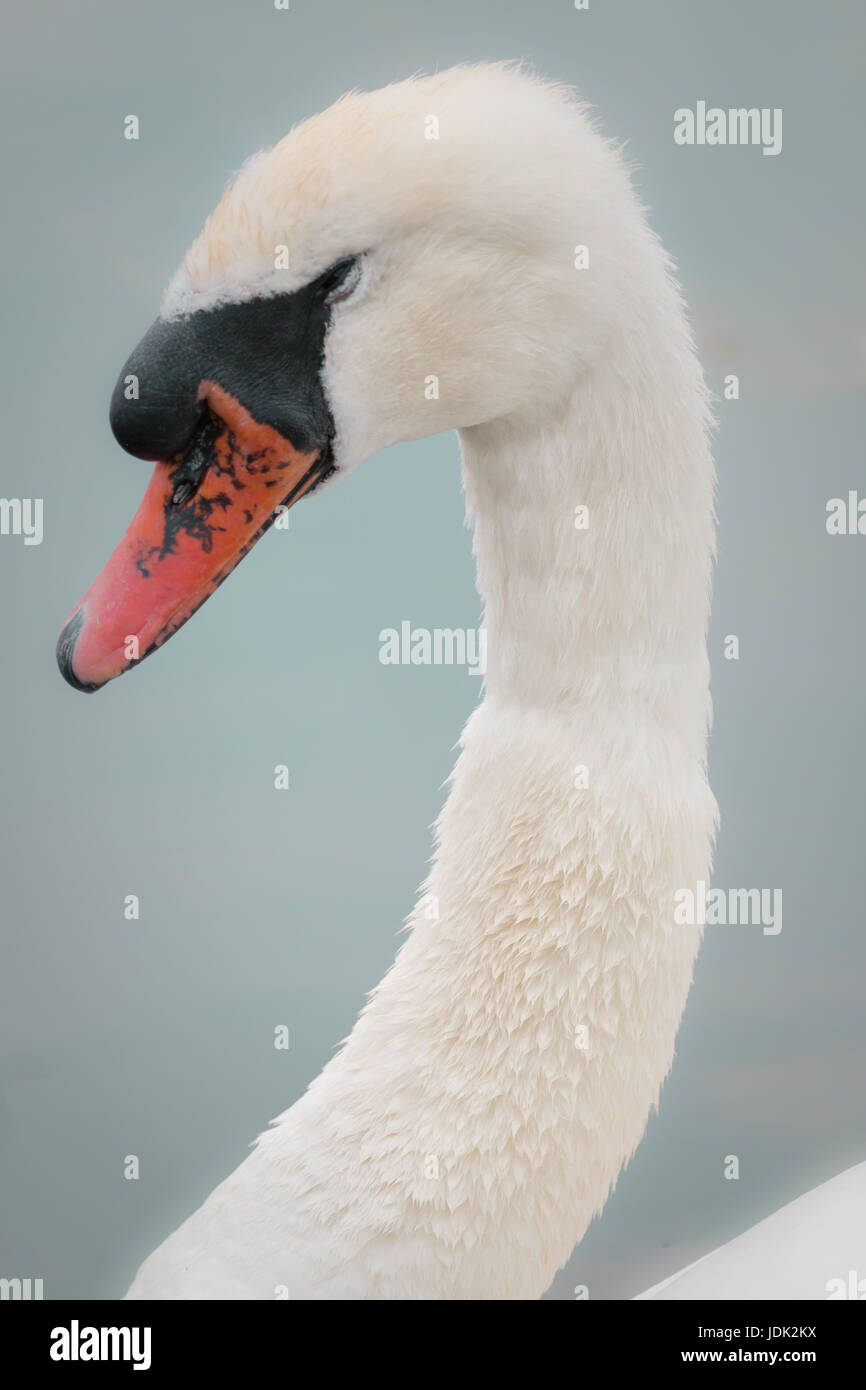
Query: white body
x=503, y=1071
x=813, y=1248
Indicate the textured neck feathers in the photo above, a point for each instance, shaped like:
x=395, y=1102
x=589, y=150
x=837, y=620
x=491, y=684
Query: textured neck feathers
x=502, y=1072
x=594, y=536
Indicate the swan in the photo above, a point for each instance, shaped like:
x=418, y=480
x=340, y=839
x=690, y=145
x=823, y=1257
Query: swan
x=458, y=251
x=812, y=1248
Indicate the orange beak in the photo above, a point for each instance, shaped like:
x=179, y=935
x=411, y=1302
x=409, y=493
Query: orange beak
x=202, y=512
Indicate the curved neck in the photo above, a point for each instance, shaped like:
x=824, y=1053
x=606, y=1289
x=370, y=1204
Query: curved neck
x=502, y=1071
x=594, y=540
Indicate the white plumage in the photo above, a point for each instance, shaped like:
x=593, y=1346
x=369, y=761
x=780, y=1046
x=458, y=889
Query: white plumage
x=813, y=1248
x=503, y=1071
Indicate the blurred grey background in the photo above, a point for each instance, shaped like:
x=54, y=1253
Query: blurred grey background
x=155, y=1037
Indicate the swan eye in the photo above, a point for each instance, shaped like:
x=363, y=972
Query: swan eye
x=340, y=280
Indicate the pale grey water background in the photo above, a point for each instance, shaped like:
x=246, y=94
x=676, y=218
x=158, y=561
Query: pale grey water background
x=260, y=908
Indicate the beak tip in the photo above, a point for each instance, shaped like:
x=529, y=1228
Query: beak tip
x=66, y=651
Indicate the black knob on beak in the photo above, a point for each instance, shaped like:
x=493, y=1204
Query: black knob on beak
x=155, y=409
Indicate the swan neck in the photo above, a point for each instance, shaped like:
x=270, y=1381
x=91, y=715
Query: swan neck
x=594, y=544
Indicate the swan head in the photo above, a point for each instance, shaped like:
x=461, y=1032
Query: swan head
x=401, y=264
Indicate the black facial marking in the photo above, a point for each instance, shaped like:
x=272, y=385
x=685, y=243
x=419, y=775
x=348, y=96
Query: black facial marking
x=191, y=520
x=141, y=560
x=267, y=353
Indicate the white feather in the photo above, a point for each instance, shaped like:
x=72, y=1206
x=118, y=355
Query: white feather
x=462, y=1139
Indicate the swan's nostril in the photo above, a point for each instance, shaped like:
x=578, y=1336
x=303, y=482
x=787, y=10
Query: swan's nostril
x=192, y=464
